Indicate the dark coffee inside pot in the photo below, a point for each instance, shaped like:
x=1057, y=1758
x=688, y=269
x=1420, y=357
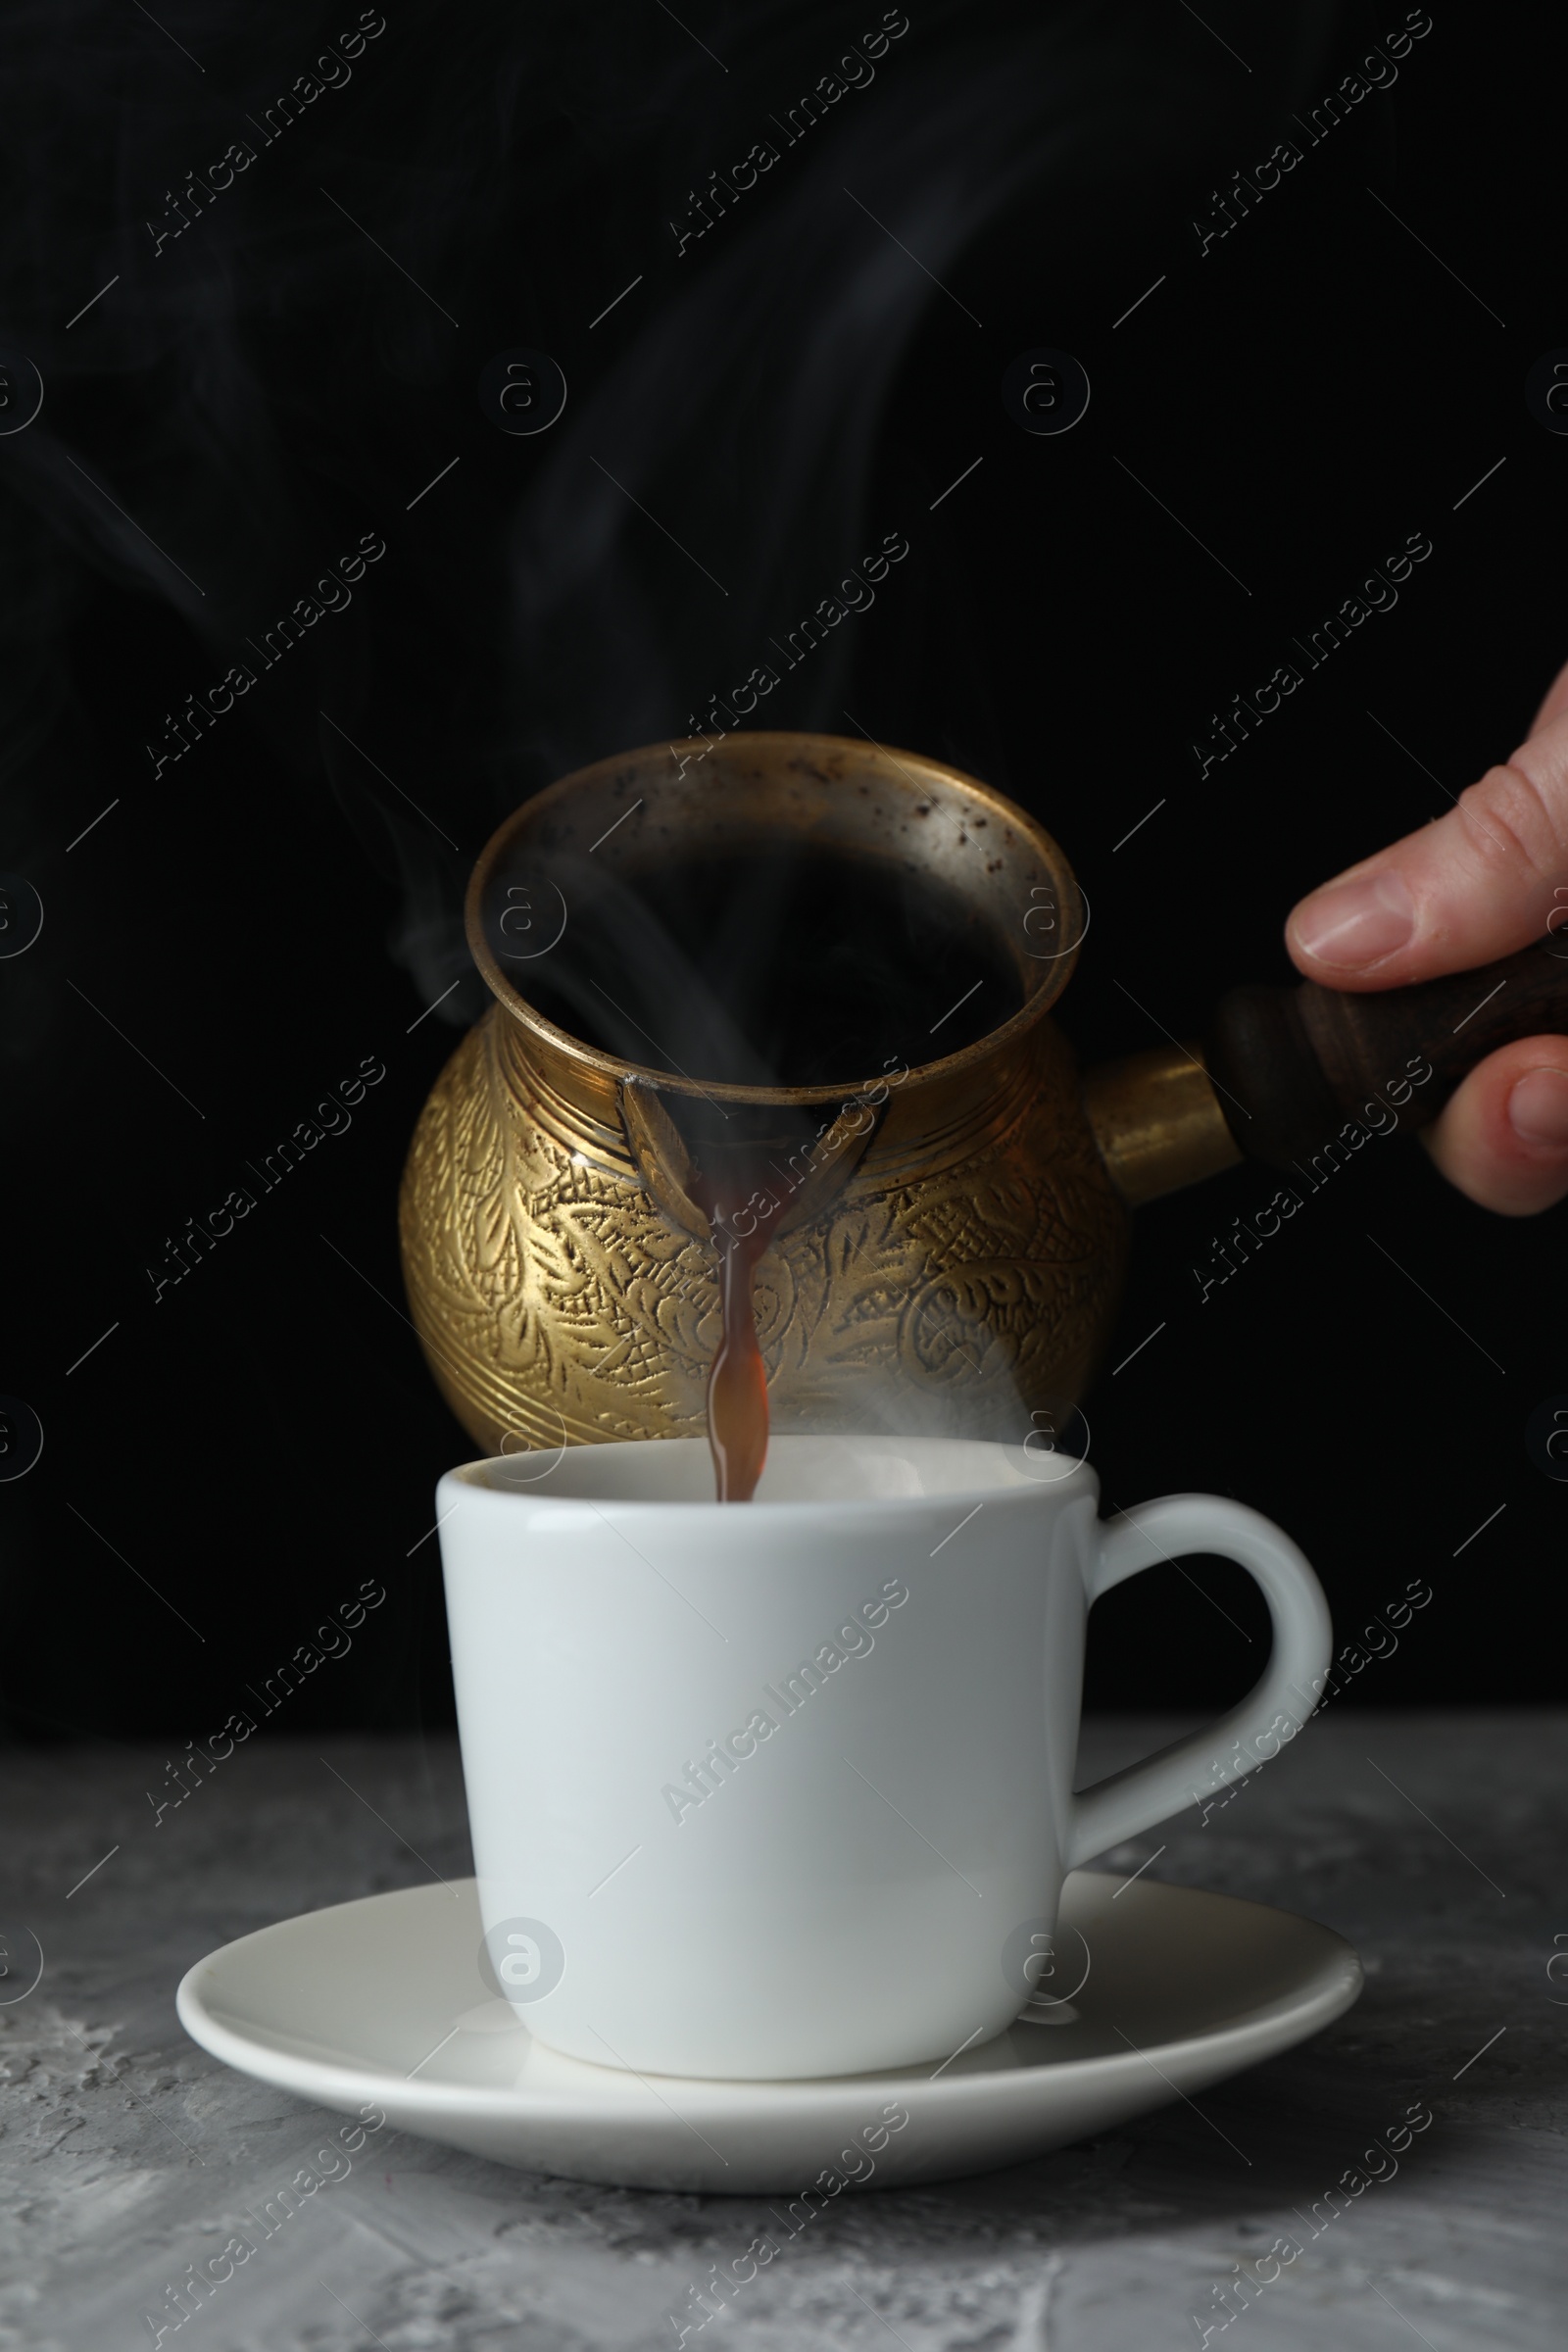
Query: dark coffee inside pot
x=785, y=968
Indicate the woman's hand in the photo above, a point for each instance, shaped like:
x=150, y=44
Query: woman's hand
x=1478, y=882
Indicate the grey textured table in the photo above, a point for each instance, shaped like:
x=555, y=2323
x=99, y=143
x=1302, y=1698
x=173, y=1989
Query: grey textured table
x=127, y=2153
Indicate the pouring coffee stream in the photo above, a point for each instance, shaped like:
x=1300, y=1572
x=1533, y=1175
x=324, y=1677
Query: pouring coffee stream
x=737, y=1382
x=584, y=1219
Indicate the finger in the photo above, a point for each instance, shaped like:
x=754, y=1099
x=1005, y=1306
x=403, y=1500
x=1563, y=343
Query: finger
x=1555, y=703
x=1502, y=1136
x=1474, y=885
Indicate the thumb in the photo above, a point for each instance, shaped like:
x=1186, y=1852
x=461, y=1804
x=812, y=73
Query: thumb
x=1477, y=883
x=1555, y=703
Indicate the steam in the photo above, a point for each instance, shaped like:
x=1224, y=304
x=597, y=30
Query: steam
x=302, y=265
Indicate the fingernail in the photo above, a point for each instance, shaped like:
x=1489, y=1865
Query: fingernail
x=1537, y=1109
x=1354, y=924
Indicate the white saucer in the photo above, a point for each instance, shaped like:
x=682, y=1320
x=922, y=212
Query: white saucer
x=381, y=2000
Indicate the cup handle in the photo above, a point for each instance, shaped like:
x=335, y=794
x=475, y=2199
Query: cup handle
x=1145, y=1794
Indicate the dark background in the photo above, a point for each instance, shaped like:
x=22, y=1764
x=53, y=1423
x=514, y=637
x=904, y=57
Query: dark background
x=277, y=905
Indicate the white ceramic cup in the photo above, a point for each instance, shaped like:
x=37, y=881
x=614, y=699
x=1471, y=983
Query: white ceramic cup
x=785, y=1789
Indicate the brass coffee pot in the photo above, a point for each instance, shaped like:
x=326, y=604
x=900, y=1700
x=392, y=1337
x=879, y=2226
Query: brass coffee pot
x=948, y=1244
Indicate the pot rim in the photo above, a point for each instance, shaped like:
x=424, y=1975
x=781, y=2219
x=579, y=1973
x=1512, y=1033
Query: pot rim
x=892, y=765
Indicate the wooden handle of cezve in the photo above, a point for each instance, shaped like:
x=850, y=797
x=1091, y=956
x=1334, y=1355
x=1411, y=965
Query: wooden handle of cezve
x=1290, y=1065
